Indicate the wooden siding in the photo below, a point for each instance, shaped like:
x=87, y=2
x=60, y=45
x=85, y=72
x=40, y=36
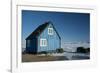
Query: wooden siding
x=33, y=46
x=53, y=41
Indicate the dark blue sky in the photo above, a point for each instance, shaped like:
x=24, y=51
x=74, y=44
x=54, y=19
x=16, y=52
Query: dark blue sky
x=70, y=26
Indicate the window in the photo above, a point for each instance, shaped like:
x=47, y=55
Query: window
x=50, y=31
x=28, y=43
x=43, y=42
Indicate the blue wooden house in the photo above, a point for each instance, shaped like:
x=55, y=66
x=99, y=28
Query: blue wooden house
x=43, y=38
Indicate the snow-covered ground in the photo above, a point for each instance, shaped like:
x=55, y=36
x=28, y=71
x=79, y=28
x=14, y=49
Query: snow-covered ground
x=73, y=56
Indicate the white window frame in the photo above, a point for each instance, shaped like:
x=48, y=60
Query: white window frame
x=50, y=31
x=43, y=42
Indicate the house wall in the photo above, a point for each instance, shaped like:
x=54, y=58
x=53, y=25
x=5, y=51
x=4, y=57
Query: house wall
x=53, y=41
x=32, y=47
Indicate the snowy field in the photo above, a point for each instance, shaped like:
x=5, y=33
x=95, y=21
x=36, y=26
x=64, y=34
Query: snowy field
x=74, y=56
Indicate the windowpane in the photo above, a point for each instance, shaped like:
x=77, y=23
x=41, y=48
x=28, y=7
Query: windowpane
x=43, y=42
x=50, y=31
x=28, y=43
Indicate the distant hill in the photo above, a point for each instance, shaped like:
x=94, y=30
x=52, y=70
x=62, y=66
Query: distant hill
x=72, y=46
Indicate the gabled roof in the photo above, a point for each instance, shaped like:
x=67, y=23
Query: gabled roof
x=40, y=29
